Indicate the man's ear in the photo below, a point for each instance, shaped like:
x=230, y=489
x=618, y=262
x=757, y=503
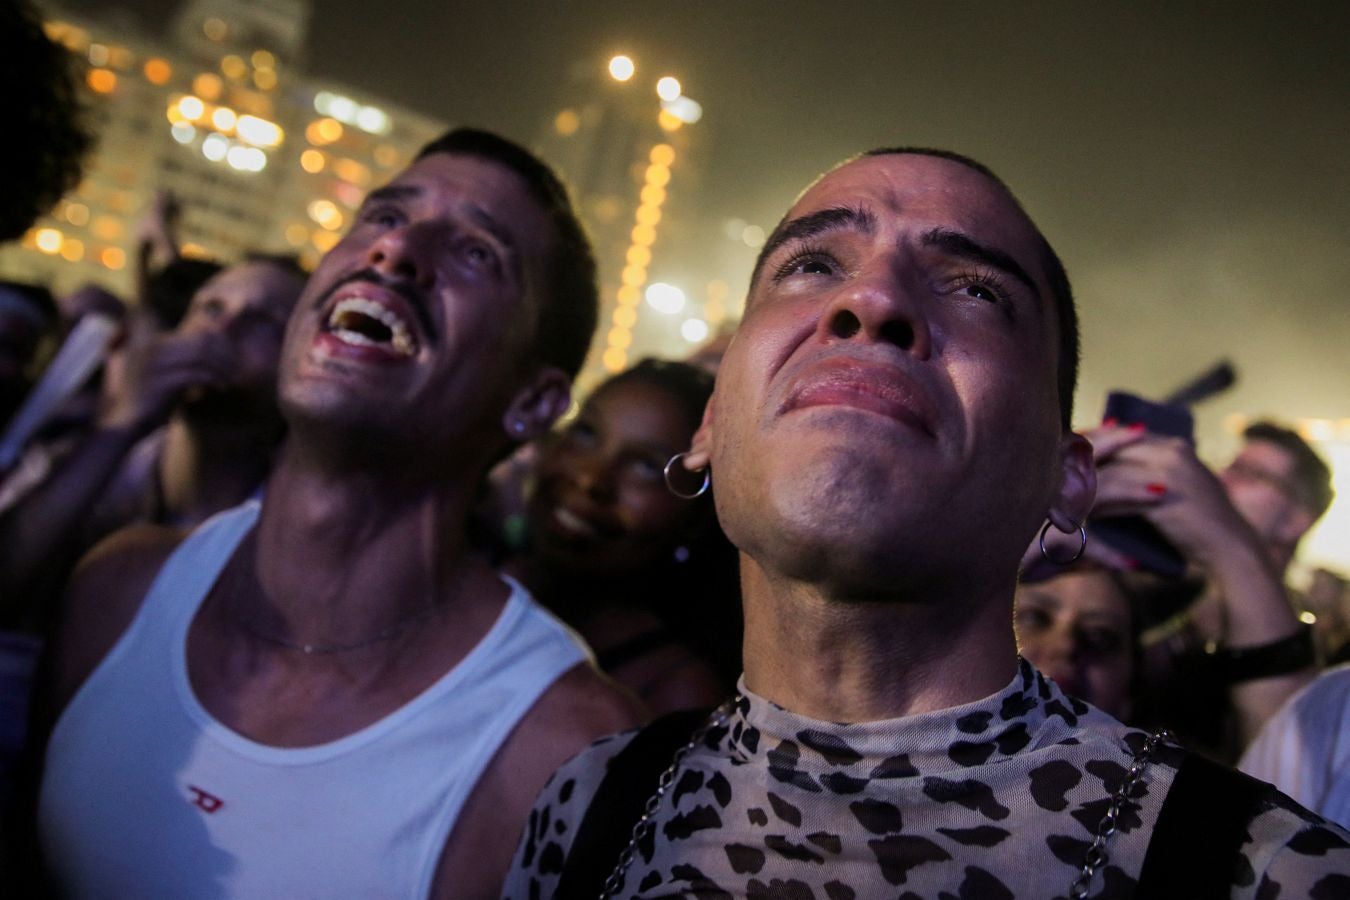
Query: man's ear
x=537, y=405
x=1077, y=484
x=700, y=446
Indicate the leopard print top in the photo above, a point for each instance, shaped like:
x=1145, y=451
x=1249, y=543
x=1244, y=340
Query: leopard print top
x=995, y=799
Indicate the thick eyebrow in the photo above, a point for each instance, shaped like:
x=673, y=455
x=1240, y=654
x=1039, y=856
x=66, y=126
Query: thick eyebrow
x=813, y=225
x=961, y=245
x=392, y=192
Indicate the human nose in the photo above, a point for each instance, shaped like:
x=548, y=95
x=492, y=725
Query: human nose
x=593, y=476
x=879, y=304
x=405, y=253
x=1057, y=644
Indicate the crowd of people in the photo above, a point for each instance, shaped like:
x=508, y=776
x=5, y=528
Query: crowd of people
x=312, y=588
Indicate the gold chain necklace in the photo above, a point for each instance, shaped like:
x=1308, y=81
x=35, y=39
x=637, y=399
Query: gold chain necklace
x=250, y=625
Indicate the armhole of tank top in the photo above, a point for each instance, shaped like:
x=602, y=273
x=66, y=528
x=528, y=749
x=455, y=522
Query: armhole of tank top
x=565, y=652
x=162, y=597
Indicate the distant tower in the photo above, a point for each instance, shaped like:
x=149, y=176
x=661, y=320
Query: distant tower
x=625, y=151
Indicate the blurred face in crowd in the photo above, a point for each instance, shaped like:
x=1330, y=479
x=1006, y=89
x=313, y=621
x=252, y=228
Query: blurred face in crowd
x=248, y=304
x=1260, y=482
x=419, y=321
x=600, y=503
x=887, y=414
x=1075, y=628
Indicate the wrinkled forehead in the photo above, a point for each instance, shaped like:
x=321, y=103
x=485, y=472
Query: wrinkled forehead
x=909, y=189
x=489, y=193
x=1267, y=456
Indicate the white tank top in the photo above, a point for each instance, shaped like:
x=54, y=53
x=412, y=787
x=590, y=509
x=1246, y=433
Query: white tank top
x=146, y=795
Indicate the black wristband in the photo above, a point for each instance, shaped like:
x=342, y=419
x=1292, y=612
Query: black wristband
x=1281, y=657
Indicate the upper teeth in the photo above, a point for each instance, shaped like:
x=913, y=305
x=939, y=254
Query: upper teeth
x=400, y=336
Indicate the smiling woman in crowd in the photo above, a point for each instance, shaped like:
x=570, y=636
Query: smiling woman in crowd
x=646, y=577
x=1080, y=629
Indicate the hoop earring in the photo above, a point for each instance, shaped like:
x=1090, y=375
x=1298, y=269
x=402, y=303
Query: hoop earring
x=1082, y=545
x=670, y=485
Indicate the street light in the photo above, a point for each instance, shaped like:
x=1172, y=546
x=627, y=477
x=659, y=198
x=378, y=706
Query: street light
x=665, y=298
x=621, y=68
x=668, y=88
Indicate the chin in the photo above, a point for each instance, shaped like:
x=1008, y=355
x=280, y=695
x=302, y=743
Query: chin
x=334, y=414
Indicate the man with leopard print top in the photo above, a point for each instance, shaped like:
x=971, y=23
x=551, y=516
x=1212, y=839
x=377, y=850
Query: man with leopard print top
x=890, y=428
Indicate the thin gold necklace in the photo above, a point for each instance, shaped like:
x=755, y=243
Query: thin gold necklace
x=250, y=625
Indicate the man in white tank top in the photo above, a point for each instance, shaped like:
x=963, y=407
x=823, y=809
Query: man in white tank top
x=332, y=694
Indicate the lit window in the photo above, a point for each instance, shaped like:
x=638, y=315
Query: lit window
x=157, y=71
x=208, y=85
x=101, y=81
x=233, y=67
x=113, y=257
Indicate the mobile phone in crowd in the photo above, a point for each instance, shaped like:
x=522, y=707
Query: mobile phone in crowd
x=1134, y=536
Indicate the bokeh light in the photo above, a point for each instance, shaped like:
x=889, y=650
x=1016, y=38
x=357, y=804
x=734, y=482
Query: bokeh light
x=621, y=68
x=665, y=298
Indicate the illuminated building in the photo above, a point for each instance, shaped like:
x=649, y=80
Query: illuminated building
x=628, y=145
x=220, y=113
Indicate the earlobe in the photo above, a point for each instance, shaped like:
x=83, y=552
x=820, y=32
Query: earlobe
x=1078, y=484
x=700, y=446
x=538, y=405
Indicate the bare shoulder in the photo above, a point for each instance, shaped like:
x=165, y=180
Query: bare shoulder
x=578, y=709
x=102, y=598
x=585, y=705
x=581, y=707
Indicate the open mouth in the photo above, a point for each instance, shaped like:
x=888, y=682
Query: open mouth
x=365, y=323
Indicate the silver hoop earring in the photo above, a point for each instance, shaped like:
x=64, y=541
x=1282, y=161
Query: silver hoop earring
x=1082, y=545
x=670, y=485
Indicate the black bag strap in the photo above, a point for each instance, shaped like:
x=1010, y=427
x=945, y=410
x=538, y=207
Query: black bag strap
x=1196, y=842
x=629, y=782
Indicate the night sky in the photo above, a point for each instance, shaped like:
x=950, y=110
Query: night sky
x=1190, y=165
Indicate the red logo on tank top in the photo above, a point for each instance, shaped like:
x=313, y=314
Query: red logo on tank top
x=206, y=802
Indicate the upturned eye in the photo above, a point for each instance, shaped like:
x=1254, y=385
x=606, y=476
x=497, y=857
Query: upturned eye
x=983, y=292
x=808, y=262
x=985, y=286
x=384, y=216
x=479, y=254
